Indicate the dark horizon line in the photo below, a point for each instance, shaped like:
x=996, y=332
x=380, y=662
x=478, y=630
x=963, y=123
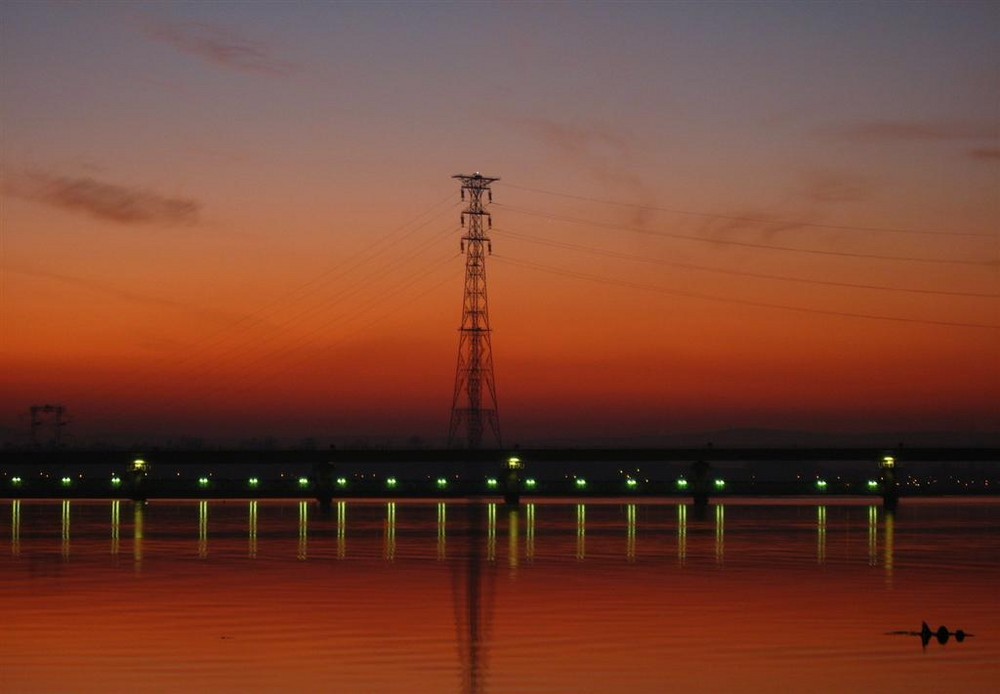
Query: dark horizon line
x=499, y=455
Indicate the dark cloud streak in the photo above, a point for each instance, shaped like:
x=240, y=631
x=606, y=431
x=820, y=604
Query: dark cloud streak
x=218, y=46
x=107, y=201
x=985, y=153
x=916, y=131
x=833, y=187
x=603, y=153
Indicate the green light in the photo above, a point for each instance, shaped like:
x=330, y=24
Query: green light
x=821, y=484
x=491, y=482
x=16, y=481
x=202, y=481
x=872, y=484
x=253, y=481
x=116, y=480
x=341, y=481
x=66, y=481
x=632, y=484
x=529, y=482
x=580, y=482
x=442, y=482
x=720, y=483
x=390, y=482
x=303, y=481
x=682, y=483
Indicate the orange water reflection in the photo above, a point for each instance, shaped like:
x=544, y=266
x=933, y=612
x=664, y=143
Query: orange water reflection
x=406, y=596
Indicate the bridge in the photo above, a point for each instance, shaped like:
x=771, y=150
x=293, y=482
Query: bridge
x=326, y=474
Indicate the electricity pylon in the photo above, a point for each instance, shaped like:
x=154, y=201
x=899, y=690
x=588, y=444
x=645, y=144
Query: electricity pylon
x=475, y=401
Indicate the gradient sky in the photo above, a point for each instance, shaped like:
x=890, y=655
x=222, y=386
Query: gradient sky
x=236, y=220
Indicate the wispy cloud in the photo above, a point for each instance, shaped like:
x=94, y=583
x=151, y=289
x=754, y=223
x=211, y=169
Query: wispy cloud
x=576, y=141
x=986, y=153
x=107, y=201
x=219, y=46
x=833, y=187
x=603, y=153
x=911, y=131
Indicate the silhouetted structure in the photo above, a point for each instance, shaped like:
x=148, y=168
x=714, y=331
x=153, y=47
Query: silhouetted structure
x=474, y=405
x=700, y=470
x=55, y=417
x=512, y=481
x=889, y=481
x=941, y=634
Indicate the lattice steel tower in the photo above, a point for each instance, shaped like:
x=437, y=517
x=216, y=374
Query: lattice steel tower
x=475, y=401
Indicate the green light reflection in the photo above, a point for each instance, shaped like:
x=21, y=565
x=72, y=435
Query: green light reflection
x=341, y=529
x=720, y=533
x=581, y=531
x=202, y=529
x=65, y=527
x=529, y=535
x=442, y=520
x=820, y=534
x=491, y=532
x=252, y=530
x=390, y=530
x=682, y=525
x=630, y=532
x=116, y=515
x=15, y=527
x=873, y=535
x=303, y=530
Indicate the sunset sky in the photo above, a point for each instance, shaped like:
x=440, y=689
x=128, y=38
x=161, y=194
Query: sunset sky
x=237, y=220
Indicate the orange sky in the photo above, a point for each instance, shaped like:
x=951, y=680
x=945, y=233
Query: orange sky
x=236, y=222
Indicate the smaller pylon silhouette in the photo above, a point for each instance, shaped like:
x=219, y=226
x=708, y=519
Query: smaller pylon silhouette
x=56, y=423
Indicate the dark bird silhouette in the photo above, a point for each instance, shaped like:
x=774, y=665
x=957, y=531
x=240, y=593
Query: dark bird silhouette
x=941, y=634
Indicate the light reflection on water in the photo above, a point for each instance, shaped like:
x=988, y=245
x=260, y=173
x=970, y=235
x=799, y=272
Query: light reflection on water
x=456, y=596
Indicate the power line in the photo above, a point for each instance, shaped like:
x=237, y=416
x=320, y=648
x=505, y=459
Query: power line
x=754, y=220
x=739, y=273
x=317, y=333
x=312, y=286
x=744, y=302
x=274, y=351
x=745, y=244
x=194, y=362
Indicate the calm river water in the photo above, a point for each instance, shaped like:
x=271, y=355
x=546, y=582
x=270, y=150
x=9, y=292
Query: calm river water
x=605, y=596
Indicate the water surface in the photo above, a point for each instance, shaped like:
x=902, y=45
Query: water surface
x=384, y=596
